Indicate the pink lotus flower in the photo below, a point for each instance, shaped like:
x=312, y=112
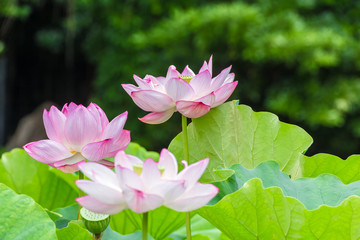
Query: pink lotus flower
x=105, y=193
x=139, y=189
x=144, y=186
x=192, y=95
x=77, y=133
x=193, y=195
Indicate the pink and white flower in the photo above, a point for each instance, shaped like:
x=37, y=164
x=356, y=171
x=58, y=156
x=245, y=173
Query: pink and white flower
x=138, y=187
x=144, y=186
x=191, y=94
x=105, y=194
x=77, y=133
x=192, y=196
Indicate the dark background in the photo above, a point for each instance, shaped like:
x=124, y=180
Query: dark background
x=299, y=59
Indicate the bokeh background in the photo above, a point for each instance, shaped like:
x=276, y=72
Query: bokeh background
x=299, y=59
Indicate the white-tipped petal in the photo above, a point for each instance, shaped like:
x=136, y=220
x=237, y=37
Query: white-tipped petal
x=158, y=117
x=194, y=198
x=192, y=173
x=97, y=206
x=152, y=101
x=168, y=161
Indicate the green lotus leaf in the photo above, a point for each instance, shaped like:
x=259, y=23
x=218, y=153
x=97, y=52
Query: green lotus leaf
x=22, y=218
x=126, y=222
x=200, y=229
x=68, y=221
x=68, y=214
x=162, y=222
x=325, y=189
x=253, y=212
x=53, y=215
x=27, y=176
x=74, y=231
x=139, y=151
x=235, y=134
x=111, y=235
x=347, y=170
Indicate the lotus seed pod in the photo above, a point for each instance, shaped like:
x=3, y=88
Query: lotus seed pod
x=96, y=223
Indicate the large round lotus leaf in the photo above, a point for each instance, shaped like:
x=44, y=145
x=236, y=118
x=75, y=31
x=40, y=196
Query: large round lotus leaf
x=253, y=212
x=49, y=187
x=162, y=222
x=235, y=134
x=325, y=189
x=139, y=151
x=73, y=232
x=22, y=218
x=347, y=170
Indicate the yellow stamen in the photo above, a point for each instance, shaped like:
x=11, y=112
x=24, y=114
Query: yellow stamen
x=186, y=78
x=161, y=168
x=139, y=167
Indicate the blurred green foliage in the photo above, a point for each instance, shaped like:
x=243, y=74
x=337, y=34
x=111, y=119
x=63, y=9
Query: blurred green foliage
x=299, y=59
x=11, y=8
x=2, y=47
x=50, y=39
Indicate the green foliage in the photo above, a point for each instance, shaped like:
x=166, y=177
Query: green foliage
x=258, y=213
x=126, y=222
x=53, y=215
x=257, y=198
x=286, y=209
x=310, y=45
x=27, y=176
x=200, y=229
x=347, y=170
x=73, y=232
x=2, y=150
x=286, y=55
x=50, y=39
x=2, y=48
x=139, y=151
x=108, y=27
x=231, y=134
x=22, y=218
x=68, y=227
x=325, y=189
x=162, y=222
x=53, y=189
x=11, y=9
x=307, y=208
x=67, y=215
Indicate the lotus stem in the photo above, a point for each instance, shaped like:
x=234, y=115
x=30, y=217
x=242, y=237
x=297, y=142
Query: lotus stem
x=185, y=138
x=144, y=226
x=188, y=226
x=186, y=158
x=97, y=236
x=81, y=176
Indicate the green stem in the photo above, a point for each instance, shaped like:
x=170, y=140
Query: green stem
x=144, y=226
x=81, y=193
x=97, y=236
x=81, y=177
x=185, y=138
x=188, y=226
x=186, y=158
